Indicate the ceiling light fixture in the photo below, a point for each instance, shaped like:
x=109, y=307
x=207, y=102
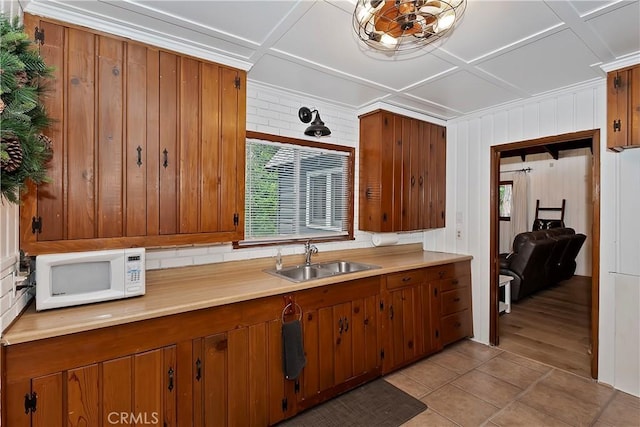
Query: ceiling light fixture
x=397, y=25
x=317, y=128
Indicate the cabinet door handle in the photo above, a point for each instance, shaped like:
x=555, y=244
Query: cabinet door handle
x=420, y=181
x=367, y=193
x=198, y=369
x=165, y=162
x=170, y=373
x=346, y=324
x=391, y=312
x=139, y=150
x=413, y=181
x=340, y=326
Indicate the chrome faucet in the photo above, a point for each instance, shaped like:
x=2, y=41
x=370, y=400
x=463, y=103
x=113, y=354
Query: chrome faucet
x=309, y=250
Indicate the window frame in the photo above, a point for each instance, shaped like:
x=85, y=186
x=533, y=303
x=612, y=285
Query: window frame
x=350, y=189
x=500, y=184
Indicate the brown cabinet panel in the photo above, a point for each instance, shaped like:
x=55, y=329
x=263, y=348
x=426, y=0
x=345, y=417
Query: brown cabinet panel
x=48, y=390
x=455, y=300
x=405, y=278
x=110, y=87
x=80, y=146
x=455, y=326
x=168, y=143
x=83, y=396
x=402, y=173
x=116, y=388
x=215, y=380
x=623, y=108
x=148, y=147
x=258, y=402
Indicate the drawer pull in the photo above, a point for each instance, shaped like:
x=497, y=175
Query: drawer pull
x=406, y=279
x=457, y=324
x=455, y=281
x=391, y=312
x=456, y=299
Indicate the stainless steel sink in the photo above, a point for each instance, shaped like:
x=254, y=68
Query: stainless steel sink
x=303, y=273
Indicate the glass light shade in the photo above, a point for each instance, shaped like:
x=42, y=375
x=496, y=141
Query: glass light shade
x=396, y=25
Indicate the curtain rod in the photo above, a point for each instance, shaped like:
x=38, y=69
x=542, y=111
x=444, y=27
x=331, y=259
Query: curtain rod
x=518, y=170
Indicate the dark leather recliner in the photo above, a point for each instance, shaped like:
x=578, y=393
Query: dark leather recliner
x=540, y=259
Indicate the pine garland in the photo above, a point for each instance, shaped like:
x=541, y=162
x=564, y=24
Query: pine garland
x=22, y=115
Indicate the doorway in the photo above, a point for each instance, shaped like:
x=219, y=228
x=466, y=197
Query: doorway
x=552, y=145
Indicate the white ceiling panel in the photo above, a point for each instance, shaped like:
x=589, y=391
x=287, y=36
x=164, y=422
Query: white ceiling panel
x=258, y=18
x=585, y=7
x=502, y=50
x=608, y=26
x=286, y=74
x=559, y=60
x=336, y=47
x=464, y=92
x=490, y=25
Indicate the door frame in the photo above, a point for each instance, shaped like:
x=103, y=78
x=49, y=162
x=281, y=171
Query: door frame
x=494, y=258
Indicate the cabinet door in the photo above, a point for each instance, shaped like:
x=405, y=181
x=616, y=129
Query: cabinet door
x=238, y=377
x=404, y=315
x=148, y=147
x=431, y=318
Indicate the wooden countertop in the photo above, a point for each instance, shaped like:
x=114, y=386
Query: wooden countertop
x=179, y=290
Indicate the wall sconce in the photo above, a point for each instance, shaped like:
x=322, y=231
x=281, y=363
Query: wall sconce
x=317, y=127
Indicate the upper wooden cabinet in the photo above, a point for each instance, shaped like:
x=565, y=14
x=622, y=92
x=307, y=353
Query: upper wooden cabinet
x=402, y=173
x=623, y=108
x=148, y=147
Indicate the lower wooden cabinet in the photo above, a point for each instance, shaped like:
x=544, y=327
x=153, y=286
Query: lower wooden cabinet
x=223, y=366
x=340, y=334
x=136, y=389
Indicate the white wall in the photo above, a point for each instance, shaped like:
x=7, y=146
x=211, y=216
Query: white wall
x=550, y=181
x=468, y=171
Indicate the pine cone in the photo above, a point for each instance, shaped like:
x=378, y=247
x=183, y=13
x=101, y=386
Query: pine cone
x=14, y=150
x=21, y=78
x=46, y=141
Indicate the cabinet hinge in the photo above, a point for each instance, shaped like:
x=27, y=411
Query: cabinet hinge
x=617, y=126
x=38, y=35
x=30, y=402
x=296, y=387
x=382, y=354
x=285, y=405
x=237, y=82
x=36, y=225
x=236, y=219
x=617, y=81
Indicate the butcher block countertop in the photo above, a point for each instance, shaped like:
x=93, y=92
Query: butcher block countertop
x=179, y=290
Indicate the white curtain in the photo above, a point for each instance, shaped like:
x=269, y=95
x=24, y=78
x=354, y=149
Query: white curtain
x=519, y=204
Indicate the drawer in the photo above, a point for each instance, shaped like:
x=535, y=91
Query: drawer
x=448, y=271
x=405, y=278
x=455, y=300
x=454, y=283
x=455, y=326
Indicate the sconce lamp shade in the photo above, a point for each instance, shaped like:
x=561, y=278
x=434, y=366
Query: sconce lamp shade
x=317, y=127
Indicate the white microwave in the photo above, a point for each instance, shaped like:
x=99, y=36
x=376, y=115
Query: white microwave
x=76, y=278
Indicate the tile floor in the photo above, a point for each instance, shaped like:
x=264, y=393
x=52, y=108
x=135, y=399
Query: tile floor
x=470, y=384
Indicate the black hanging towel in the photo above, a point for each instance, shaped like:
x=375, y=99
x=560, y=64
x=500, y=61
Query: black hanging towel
x=293, y=358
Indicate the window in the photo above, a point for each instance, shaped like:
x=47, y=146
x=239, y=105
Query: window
x=506, y=191
x=296, y=190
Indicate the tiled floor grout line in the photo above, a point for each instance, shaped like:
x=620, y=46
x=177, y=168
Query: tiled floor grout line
x=519, y=395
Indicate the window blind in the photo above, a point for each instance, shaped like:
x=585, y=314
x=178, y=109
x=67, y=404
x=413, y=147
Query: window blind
x=295, y=192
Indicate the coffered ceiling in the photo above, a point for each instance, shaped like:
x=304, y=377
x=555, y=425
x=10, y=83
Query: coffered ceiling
x=501, y=51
